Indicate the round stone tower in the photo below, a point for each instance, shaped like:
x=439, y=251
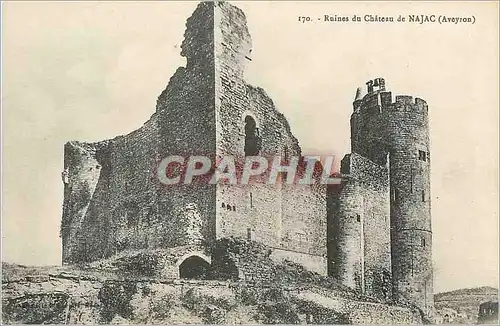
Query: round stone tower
x=409, y=164
x=346, y=231
x=396, y=132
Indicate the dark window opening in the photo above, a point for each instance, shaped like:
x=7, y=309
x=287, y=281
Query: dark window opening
x=251, y=200
x=253, y=141
x=396, y=196
x=422, y=156
x=250, y=234
x=411, y=180
x=423, y=242
x=223, y=205
x=228, y=207
x=358, y=218
x=234, y=208
x=423, y=195
x=194, y=268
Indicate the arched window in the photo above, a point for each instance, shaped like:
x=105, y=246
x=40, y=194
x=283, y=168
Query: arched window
x=252, y=138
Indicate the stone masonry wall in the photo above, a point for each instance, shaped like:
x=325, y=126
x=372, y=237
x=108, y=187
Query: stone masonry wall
x=272, y=214
x=82, y=172
x=188, y=121
x=129, y=209
x=374, y=185
x=408, y=133
x=344, y=230
x=304, y=219
x=361, y=216
x=313, y=263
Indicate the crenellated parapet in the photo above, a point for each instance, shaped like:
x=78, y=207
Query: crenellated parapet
x=379, y=119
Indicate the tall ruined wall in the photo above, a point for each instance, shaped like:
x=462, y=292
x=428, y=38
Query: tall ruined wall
x=187, y=122
x=361, y=225
x=81, y=175
x=281, y=216
x=123, y=206
x=206, y=109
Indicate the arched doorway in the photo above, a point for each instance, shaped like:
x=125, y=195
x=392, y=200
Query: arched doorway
x=194, y=268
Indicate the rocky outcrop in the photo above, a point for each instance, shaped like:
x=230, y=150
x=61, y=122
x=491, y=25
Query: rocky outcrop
x=121, y=291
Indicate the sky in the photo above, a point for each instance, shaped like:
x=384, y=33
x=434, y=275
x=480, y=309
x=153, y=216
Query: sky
x=93, y=70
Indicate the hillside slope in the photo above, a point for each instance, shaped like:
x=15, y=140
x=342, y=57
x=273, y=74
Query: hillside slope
x=464, y=301
x=243, y=285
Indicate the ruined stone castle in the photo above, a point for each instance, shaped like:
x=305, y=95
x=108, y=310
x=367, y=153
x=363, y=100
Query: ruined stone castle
x=372, y=232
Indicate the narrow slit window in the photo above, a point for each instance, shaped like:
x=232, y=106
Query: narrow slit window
x=396, y=196
x=422, y=156
x=411, y=180
x=250, y=234
x=423, y=195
